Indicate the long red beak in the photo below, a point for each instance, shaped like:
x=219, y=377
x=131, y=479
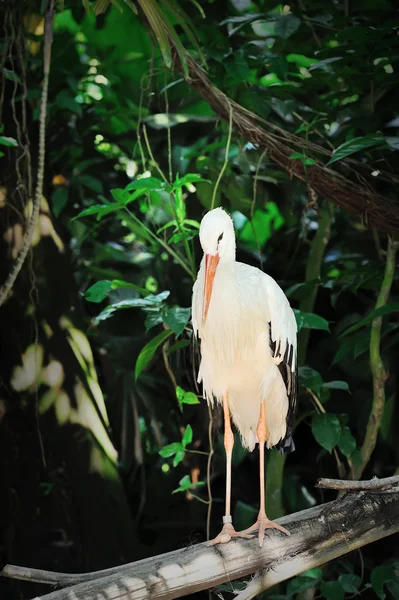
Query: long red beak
x=211, y=263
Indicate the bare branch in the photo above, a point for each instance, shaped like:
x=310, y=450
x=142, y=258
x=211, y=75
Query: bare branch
x=318, y=535
x=354, y=193
x=372, y=485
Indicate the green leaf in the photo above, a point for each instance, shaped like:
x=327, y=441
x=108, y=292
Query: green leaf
x=178, y=457
x=326, y=429
x=100, y=290
x=379, y=577
x=332, y=590
x=300, y=584
x=350, y=583
x=146, y=183
x=304, y=159
x=8, y=141
x=148, y=302
x=187, y=179
x=186, y=484
x=393, y=142
x=310, y=321
x=147, y=353
x=170, y=450
x=337, y=385
x=59, y=199
x=177, y=318
x=378, y=312
x=355, y=145
x=184, y=397
x=347, y=443
x=187, y=437
x=100, y=210
x=11, y=76
x=287, y=25
x=91, y=183
x=309, y=378
x=178, y=346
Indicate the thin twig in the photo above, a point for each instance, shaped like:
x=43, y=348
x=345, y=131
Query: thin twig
x=48, y=40
x=226, y=158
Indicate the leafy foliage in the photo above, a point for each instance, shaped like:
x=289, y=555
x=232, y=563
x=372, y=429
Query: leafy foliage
x=134, y=154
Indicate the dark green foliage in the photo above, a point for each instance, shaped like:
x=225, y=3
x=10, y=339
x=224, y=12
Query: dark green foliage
x=133, y=159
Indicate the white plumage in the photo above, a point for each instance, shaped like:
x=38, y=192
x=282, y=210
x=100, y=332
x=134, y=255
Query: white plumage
x=248, y=336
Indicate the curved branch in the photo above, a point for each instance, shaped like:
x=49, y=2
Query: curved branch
x=318, y=535
x=48, y=40
x=359, y=198
x=377, y=367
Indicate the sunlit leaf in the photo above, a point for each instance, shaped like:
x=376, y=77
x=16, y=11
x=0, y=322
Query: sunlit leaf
x=170, y=450
x=100, y=290
x=8, y=141
x=187, y=437
x=355, y=145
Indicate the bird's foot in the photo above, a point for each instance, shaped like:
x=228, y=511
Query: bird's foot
x=261, y=525
x=228, y=532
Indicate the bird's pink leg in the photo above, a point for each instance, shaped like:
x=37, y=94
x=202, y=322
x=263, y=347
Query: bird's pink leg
x=228, y=530
x=263, y=522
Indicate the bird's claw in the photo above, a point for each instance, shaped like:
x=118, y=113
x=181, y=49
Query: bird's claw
x=228, y=532
x=261, y=525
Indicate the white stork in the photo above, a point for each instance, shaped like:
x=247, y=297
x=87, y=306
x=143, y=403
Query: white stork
x=248, y=354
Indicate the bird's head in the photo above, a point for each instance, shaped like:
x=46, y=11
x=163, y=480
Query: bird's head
x=218, y=243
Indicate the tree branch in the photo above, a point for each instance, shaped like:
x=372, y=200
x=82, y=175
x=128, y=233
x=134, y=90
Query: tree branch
x=377, y=367
x=372, y=485
x=48, y=40
x=358, y=198
x=318, y=535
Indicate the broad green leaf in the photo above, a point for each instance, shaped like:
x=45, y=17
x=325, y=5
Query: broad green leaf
x=355, y=145
x=326, y=429
x=347, y=443
x=300, y=584
x=147, y=353
x=378, y=312
x=187, y=437
x=100, y=210
x=8, y=141
x=177, y=318
x=337, y=385
x=170, y=449
x=146, y=183
x=310, y=321
x=148, y=302
x=309, y=378
x=100, y=290
x=332, y=590
x=287, y=25
x=379, y=577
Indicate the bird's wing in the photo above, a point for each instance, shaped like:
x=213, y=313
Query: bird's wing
x=283, y=347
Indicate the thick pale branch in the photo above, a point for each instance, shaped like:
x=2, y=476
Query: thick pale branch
x=318, y=535
x=354, y=194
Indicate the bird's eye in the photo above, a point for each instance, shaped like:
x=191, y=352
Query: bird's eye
x=220, y=238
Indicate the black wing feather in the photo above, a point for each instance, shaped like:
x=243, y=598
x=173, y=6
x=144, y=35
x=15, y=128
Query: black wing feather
x=290, y=378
